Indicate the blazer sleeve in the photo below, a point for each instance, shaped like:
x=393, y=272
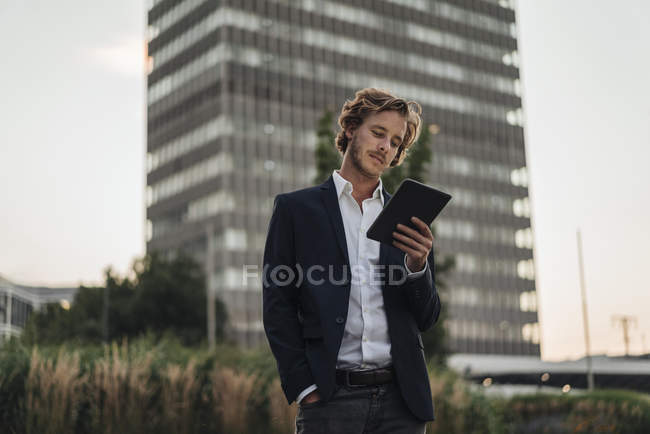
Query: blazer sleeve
x=422, y=296
x=281, y=302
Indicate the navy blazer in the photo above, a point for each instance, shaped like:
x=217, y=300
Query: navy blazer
x=304, y=318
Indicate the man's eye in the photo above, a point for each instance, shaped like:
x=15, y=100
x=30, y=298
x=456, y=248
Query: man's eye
x=394, y=144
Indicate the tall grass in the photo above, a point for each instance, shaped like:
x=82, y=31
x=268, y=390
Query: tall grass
x=54, y=392
x=234, y=395
x=121, y=392
x=180, y=397
x=162, y=388
x=282, y=416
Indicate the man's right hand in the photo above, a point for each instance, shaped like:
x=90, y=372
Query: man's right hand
x=311, y=397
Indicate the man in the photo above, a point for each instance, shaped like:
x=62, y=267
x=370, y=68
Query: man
x=344, y=329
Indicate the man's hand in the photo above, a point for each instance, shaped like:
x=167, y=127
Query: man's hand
x=311, y=397
x=416, y=244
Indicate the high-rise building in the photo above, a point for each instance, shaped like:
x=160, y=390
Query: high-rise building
x=235, y=90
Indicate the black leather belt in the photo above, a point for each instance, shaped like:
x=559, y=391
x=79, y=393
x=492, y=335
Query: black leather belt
x=364, y=378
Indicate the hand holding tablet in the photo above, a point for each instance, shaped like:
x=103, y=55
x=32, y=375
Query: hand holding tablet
x=412, y=199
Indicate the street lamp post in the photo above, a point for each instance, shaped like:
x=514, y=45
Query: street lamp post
x=585, y=319
x=209, y=286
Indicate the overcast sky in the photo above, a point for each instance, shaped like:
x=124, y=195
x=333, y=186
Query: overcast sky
x=72, y=152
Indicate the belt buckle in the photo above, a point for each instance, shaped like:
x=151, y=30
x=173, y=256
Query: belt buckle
x=346, y=380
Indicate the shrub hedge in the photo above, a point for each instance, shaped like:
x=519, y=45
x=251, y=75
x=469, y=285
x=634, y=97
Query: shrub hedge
x=161, y=386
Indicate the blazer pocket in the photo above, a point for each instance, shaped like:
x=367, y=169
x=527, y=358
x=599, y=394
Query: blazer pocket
x=312, y=332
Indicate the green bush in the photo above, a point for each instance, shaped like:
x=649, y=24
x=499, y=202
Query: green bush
x=599, y=411
x=459, y=408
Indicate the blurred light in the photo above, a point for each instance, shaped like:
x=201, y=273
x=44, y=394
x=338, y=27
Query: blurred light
x=487, y=382
x=148, y=65
x=65, y=304
x=434, y=129
x=566, y=388
x=545, y=377
x=268, y=129
x=269, y=165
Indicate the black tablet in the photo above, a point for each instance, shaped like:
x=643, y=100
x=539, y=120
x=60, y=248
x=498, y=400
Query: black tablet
x=412, y=198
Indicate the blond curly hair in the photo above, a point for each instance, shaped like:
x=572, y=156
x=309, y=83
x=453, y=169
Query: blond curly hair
x=369, y=101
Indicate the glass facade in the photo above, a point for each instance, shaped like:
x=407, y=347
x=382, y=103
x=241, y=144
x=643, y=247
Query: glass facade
x=235, y=90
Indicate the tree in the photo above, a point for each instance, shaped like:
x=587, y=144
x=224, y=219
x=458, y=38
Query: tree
x=414, y=167
x=171, y=296
x=327, y=157
x=161, y=297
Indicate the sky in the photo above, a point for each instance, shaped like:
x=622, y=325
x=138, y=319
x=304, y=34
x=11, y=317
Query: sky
x=72, y=146
x=72, y=139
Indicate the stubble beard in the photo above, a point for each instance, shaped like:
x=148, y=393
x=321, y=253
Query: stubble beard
x=357, y=159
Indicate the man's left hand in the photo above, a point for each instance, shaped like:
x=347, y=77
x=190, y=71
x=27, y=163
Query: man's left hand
x=415, y=243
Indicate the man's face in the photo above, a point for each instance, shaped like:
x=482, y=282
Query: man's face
x=373, y=145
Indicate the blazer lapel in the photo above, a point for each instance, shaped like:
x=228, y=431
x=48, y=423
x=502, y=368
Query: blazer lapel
x=331, y=201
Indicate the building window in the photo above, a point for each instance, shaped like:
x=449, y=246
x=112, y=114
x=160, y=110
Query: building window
x=528, y=301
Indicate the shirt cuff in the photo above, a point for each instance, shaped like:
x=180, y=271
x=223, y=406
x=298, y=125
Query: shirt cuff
x=306, y=392
x=410, y=275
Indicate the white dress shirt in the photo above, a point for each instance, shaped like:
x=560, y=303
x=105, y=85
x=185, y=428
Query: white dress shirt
x=365, y=344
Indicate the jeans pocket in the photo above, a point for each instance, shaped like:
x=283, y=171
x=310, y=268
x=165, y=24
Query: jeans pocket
x=307, y=405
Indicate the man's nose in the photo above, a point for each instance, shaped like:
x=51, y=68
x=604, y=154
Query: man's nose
x=384, y=144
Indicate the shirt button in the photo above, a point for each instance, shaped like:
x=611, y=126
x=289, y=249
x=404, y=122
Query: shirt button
x=339, y=320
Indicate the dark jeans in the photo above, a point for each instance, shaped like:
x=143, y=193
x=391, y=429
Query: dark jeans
x=359, y=410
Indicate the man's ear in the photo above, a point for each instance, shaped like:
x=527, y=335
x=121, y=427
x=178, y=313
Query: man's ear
x=349, y=131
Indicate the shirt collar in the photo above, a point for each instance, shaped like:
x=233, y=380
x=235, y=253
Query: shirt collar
x=344, y=186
